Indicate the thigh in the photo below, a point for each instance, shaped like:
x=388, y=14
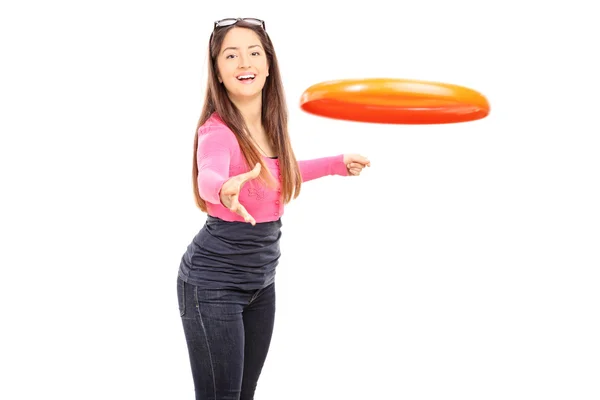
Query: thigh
x=259, y=319
x=214, y=332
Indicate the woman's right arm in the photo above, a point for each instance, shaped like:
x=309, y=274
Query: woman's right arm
x=213, y=158
x=214, y=183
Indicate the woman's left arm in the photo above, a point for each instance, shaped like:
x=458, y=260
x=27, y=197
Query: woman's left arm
x=343, y=165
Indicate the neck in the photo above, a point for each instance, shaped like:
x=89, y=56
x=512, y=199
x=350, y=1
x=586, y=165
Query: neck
x=251, y=111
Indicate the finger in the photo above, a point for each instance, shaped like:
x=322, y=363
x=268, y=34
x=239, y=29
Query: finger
x=360, y=164
x=355, y=171
x=356, y=165
x=244, y=214
x=359, y=159
x=364, y=162
x=234, y=203
x=239, y=209
x=246, y=176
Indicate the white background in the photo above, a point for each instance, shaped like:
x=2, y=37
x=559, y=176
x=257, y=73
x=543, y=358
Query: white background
x=462, y=265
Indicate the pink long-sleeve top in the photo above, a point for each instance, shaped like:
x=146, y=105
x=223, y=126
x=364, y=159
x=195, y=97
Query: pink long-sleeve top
x=220, y=157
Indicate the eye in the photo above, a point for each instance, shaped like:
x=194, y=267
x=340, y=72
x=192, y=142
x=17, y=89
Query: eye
x=228, y=56
x=255, y=53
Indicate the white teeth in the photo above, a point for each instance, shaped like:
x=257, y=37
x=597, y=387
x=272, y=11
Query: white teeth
x=246, y=77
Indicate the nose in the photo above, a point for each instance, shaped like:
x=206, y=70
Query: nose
x=244, y=61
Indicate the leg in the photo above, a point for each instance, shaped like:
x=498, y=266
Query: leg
x=213, y=327
x=259, y=318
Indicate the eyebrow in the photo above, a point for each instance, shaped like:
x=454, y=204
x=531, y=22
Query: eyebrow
x=237, y=48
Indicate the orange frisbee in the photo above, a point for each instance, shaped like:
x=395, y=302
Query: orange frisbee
x=394, y=101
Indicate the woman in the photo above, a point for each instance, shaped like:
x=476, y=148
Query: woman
x=225, y=283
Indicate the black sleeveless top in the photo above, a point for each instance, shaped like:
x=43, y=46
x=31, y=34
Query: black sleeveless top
x=232, y=255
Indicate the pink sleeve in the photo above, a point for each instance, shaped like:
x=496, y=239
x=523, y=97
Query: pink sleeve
x=213, y=157
x=320, y=167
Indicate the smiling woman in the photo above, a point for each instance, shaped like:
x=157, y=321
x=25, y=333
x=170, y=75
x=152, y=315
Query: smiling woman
x=242, y=61
x=244, y=172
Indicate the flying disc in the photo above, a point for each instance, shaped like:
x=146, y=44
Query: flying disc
x=394, y=101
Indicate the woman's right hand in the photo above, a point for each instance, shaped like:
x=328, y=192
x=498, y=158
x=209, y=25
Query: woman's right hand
x=230, y=193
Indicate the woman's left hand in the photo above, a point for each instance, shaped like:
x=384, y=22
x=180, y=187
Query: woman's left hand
x=355, y=163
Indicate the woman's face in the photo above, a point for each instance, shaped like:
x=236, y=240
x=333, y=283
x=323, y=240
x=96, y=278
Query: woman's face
x=242, y=64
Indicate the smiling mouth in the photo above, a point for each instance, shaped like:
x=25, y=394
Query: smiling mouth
x=246, y=78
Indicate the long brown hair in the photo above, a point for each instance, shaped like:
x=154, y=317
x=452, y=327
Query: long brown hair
x=274, y=118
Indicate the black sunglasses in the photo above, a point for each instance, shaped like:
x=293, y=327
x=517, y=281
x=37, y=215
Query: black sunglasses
x=233, y=21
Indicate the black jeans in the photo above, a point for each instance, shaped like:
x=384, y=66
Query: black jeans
x=228, y=333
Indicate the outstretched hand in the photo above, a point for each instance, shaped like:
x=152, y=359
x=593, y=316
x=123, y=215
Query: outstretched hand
x=230, y=193
x=355, y=163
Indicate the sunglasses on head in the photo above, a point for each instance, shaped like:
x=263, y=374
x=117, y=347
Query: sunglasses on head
x=232, y=21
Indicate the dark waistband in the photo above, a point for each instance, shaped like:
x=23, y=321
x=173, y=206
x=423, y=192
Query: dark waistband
x=243, y=231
